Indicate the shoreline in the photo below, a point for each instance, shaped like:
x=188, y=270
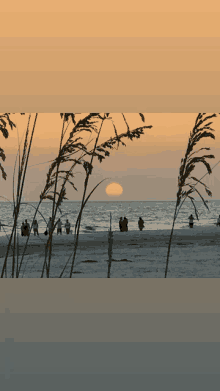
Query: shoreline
x=194, y=253
x=160, y=238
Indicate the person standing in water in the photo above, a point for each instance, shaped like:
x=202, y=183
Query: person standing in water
x=140, y=223
x=120, y=224
x=191, y=218
x=125, y=223
x=67, y=226
x=59, y=227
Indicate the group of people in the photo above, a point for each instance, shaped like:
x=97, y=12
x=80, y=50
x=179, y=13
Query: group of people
x=26, y=229
x=123, y=224
x=59, y=226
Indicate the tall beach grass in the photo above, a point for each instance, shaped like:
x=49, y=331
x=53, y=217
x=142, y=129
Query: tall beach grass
x=75, y=151
x=186, y=182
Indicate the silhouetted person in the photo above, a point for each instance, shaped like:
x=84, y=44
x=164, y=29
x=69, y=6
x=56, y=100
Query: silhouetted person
x=35, y=227
x=140, y=223
x=26, y=228
x=59, y=227
x=22, y=229
x=191, y=218
x=120, y=224
x=218, y=221
x=125, y=224
x=67, y=226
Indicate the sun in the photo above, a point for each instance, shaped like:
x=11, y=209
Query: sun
x=114, y=189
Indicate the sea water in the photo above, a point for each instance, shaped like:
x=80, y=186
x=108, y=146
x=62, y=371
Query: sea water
x=96, y=215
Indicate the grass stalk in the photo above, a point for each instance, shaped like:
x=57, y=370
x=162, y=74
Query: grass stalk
x=201, y=130
x=110, y=244
x=17, y=254
x=170, y=240
x=54, y=203
x=20, y=188
x=77, y=228
x=28, y=237
x=13, y=258
x=97, y=150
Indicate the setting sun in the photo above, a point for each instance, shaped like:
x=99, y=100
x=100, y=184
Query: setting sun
x=114, y=189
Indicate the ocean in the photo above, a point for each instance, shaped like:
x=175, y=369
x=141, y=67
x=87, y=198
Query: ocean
x=156, y=214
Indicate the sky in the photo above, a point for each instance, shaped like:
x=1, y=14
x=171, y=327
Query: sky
x=147, y=168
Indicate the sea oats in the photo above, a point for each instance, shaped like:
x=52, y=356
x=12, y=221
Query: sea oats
x=188, y=164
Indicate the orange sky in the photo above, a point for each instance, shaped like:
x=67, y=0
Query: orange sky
x=156, y=154
x=169, y=132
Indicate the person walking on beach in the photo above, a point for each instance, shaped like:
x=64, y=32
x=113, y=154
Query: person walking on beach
x=191, y=218
x=67, y=226
x=125, y=223
x=59, y=227
x=218, y=221
x=35, y=227
x=120, y=224
x=140, y=223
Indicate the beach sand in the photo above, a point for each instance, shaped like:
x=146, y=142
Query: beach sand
x=194, y=253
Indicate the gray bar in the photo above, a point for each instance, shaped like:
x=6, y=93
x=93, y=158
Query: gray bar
x=99, y=295
x=111, y=382
x=110, y=327
x=85, y=358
